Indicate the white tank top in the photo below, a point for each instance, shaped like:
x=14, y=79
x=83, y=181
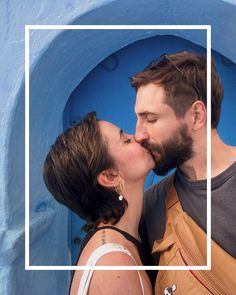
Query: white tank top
x=94, y=257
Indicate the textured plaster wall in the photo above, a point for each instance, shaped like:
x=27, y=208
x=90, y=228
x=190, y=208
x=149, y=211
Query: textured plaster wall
x=59, y=61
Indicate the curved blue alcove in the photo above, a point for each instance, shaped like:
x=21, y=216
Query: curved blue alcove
x=106, y=90
x=59, y=61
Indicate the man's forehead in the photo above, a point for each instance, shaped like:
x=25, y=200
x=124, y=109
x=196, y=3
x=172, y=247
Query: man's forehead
x=149, y=98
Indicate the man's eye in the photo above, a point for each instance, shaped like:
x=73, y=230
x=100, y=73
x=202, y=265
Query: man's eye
x=151, y=120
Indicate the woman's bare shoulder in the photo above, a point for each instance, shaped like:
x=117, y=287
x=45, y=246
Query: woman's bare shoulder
x=115, y=281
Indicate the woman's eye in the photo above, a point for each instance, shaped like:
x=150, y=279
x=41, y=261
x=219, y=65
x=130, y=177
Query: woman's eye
x=127, y=140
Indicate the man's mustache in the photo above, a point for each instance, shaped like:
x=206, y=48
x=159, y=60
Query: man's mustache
x=151, y=147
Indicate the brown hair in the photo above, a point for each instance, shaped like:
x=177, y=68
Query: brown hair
x=71, y=169
x=183, y=76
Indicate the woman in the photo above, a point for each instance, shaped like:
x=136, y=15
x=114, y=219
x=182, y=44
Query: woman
x=98, y=171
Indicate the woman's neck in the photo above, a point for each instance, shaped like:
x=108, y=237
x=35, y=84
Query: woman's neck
x=129, y=222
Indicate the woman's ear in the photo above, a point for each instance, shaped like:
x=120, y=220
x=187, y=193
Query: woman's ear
x=109, y=178
x=198, y=115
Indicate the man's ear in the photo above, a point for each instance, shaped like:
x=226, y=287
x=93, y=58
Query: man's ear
x=198, y=115
x=109, y=178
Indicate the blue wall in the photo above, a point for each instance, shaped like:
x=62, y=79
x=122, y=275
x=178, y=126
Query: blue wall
x=59, y=62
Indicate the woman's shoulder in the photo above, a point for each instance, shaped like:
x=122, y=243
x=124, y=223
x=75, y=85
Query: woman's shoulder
x=121, y=281
x=116, y=281
x=112, y=254
x=109, y=248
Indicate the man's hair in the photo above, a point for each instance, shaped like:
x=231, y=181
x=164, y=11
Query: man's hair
x=71, y=169
x=183, y=77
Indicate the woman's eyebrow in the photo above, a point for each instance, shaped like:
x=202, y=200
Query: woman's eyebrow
x=121, y=133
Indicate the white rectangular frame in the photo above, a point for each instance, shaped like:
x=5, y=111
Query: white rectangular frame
x=27, y=141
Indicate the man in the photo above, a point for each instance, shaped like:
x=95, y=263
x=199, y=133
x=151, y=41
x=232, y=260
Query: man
x=171, y=123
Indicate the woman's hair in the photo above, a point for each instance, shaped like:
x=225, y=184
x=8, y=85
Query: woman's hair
x=184, y=78
x=71, y=169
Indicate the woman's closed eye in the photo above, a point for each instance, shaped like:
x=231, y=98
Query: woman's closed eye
x=128, y=140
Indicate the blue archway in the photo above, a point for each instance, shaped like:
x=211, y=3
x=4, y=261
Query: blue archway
x=59, y=62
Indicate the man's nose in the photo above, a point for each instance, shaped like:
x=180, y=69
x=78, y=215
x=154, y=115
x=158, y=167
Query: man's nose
x=141, y=135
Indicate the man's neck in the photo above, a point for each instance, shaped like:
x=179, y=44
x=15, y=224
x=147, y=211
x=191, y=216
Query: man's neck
x=222, y=157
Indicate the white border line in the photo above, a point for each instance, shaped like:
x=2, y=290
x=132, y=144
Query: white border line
x=117, y=27
x=27, y=138
x=209, y=148
x=27, y=141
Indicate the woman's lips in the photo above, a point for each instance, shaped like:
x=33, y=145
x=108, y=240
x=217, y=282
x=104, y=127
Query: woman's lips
x=156, y=155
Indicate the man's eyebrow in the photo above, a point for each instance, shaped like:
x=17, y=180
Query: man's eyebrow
x=143, y=114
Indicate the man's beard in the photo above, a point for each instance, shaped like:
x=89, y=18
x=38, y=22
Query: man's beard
x=173, y=152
